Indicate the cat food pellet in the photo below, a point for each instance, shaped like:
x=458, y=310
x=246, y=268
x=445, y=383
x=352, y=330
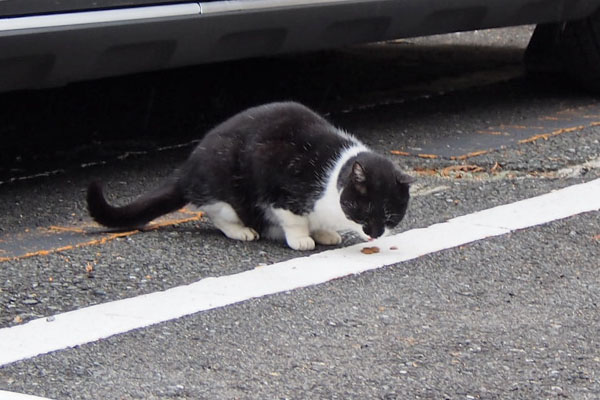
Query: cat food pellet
x=393, y=248
x=370, y=250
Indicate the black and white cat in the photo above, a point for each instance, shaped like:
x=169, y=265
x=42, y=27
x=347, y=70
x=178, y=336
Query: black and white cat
x=279, y=171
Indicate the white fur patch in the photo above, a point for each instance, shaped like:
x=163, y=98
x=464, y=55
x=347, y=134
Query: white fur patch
x=222, y=211
x=295, y=228
x=224, y=217
x=325, y=237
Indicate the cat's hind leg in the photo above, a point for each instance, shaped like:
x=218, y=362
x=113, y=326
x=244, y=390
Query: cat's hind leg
x=224, y=217
x=326, y=237
x=295, y=228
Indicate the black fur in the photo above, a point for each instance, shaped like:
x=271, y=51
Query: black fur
x=275, y=155
x=165, y=199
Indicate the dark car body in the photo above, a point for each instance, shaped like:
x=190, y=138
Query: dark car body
x=49, y=43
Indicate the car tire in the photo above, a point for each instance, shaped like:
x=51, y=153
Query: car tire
x=571, y=47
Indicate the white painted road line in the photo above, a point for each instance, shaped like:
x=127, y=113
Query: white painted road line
x=4, y=395
x=100, y=321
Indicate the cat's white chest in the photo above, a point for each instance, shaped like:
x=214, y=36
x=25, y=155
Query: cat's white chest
x=327, y=214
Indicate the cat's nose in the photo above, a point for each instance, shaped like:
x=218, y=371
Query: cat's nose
x=373, y=231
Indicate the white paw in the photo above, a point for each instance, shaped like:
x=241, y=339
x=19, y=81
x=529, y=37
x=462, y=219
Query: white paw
x=327, y=238
x=301, y=243
x=242, y=233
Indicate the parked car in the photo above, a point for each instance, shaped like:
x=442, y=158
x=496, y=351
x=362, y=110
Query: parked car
x=51, y=43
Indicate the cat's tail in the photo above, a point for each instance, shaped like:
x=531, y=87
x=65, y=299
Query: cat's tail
x=165, y=199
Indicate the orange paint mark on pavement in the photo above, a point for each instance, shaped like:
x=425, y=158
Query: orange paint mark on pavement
x=107, y=236
x=546, y=136
x=400, y=153
x=469, y=155
x=66, y=229
x=496, y=133
x=462, y=168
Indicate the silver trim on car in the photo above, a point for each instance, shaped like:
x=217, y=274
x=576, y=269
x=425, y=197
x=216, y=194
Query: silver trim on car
x=247, y=5
x=101, y=16
x=151, y=12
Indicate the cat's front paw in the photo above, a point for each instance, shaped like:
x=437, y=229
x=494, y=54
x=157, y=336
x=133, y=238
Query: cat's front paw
x=242, y=233
x=301, y=243
x=327, y=238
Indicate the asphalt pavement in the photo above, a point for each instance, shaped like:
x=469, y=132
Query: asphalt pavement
x=513, y=317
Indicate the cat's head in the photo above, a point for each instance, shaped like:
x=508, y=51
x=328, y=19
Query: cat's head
x=374, y=194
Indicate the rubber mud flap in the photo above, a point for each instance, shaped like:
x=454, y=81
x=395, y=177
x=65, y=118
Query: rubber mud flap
x=579, y=47
x=541, y=56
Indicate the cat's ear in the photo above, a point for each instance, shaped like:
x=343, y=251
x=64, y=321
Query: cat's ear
x=358, y=173
x=404, y=179
x=358, y=177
